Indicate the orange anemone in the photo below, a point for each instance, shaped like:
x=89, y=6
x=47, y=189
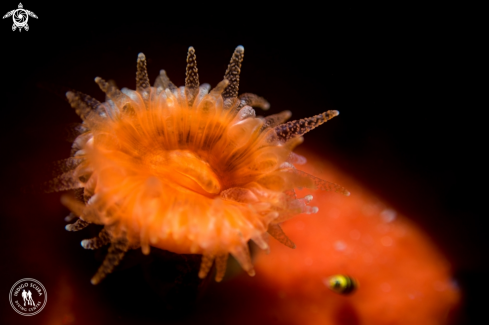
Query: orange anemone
x=189, y=169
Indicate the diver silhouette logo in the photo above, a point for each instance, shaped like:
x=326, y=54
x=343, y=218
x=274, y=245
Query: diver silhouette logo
x=34, y=297
x=20, y=17
x=28, y=296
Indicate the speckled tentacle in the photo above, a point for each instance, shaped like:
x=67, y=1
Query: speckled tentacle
x=192, y=77
x=64, y=182
x=116, y=99
x=205, y=265
x=232, y=73
x=300, y=127
x=117, y=249
x=101, y=240
x=275, y=119
x=253, y=101
x=276, y=232
x=221, y=262
x=66, y=165
x=84, y=105
x=142, y=80
x=321, y=184
x=78, y=225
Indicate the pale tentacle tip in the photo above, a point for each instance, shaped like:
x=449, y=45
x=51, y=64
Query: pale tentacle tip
x=240, y=48
x=95, y=280
x=84, y=243
x=314, y=210
x=202, y=274
x=251, y=272
x=347, y=193
x=68, y=227
x=286, y=114
x=191, y=48
x=145, y=250
x=97, y=79
x=219, y=276
x=141, y=56
x=69, y=95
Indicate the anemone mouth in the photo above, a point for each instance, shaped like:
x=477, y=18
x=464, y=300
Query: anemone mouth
x=189, y=169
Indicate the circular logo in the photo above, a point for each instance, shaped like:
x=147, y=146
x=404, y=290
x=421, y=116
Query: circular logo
x=20, y=17
x=28, y=297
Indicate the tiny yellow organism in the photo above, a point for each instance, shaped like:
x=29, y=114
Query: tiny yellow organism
x=342, y=284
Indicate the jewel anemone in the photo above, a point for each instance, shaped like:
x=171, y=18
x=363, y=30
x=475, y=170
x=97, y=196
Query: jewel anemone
x=190, y=169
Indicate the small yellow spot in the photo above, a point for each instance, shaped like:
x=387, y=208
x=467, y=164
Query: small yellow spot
x=342, y=284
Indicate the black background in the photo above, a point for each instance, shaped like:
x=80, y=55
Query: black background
x=404, y=79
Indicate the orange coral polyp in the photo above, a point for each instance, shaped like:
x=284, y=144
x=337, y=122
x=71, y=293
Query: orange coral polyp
x=185, y=169
x=170, y=170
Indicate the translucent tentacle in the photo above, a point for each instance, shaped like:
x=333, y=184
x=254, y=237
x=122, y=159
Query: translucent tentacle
x=262, y=242
x=296, y=207
x=72, y=130
x=300, y=127
x=65, y=165
x=73, y=204
x=276, y=232
x=239, y=194
x=221, y=263
x=242, y=255
x=78, y=194
x=80, y=209
x=164, y=82
x=78, y=144
x=90, y=102
x=232, y=73
x=245, y=112
x=70, y=217
x=64, y=182
x=117, y=249
x=84, y=105
x=275, y=119
x=253, y=101
x=192, y=77
x=321, y=184
x=297, y=159
x=220, y=88
x=205, y=265
x=115, y=95
x=102, y=239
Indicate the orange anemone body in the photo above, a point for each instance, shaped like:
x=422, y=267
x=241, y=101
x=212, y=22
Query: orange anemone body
x=186, y=169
